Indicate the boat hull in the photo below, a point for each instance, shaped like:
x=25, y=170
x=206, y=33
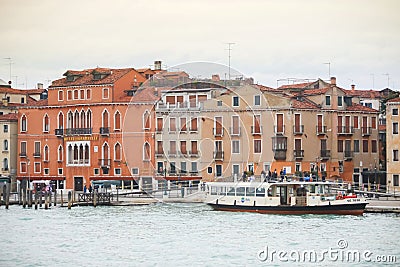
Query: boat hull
x=341, y=209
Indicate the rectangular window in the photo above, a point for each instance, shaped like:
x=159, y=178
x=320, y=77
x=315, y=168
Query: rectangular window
x=183, y=148
x=96, y=171
x=172, y=168
x=340, y=146
x=257, y=100
x=193, y=125
x=88, y=94
x=36, y=167
x=340, y=101
x=117, y=171
x=373, y=123
x=365, y=146
x=395, y=155
x=76, y=94
x=82, y=92
x=235, y=146
x=218, y=170
x=69, y=95
x=172, y=147
x=135, y=171
x=374, y=146
x=395, y=180
x=356, y=146
x=60, y=171
x=193, y=148
x=328, y=100
x=257, y=146
x=395, y=128
x=5, y=128
x=160, y=122
x=60, y=95
x=219, y=103
x=355, y=122
x=194, y=167
x=23, y=167
x=183, y=124
x=46, y=171
x=37, y=149
x=105, y=93
x=395, y=112
x=235, y=101
x=209, y=170
x=183, y=167
x=172, y=124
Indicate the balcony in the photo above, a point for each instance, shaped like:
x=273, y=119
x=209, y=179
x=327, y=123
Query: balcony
x=159, y=154
x=234, y=131
x=172, y=154
x=279, y=154
x=105, y=163
x=325, y=154
x=218, y=155
x=321, y=130
x=218, y=131
x=36, y=155
x=298, y=154
x=194, y=173
x=194, y=154
x=22, y=154
x=59, y=132
x=78, y=131
x=348, y=155
x=105, y=131
x=279, y=129
x=298, y=129
x=179, y=105
x=366, y=131
x=345, y=130
x=183, y=154
x=256, y=130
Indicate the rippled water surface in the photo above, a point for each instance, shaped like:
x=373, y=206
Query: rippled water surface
x=185, y=235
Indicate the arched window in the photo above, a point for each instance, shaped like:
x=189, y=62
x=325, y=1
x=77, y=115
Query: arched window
x=46, y=153
x=83, y=119
x=60, y=120
x=117, y=120
x=46, y=123
x=105, y=155
x=5, y=145
x=5, y=164
x=24, y=123
x=117, y=152
x=60, y=154
x=146, y=152
x=88, y=94
x=70, y=122
x=76, y=119
x=146, y=120
x=87, y=151
x=89, y=119
x=81, y=154
x=70, y=154
x=105, y=119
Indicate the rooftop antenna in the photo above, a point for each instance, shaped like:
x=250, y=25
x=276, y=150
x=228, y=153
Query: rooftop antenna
x=329, y=69
x=10, y=63
x=388, y=77
x=229, y=59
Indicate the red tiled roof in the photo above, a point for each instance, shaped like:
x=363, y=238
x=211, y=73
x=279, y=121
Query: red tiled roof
x=146, y=95
x=264, y=88
x=397, y=99
x=31, y=102
x=295, y=86
x=85, y=77
x=358, y=107
x=316, y=91
x=35, y=91
x=13, y=91
x=9, y=117
x=303, y=104
x=364, y=93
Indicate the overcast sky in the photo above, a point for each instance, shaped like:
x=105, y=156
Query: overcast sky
x=273, y=39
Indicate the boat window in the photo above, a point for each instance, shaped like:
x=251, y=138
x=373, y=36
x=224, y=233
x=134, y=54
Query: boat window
x=312, y=189
x=240, y=191
x=250, y=191
x=260, y=192
x=214, y=190
x=222, y=191
x=327, y=189
x=320, y=189
x=231, y=191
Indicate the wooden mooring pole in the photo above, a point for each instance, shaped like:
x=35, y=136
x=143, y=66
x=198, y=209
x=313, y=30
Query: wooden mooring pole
x=40, y=199
x=24, y=195
x=49, y=198
x=30, y=198
x=4, y=193
x=69, y=200
x=95, y=199
x=62, y=200
x=36, y=200
x=8, y=195
x=46, y=200
x=20, y=194
x=55, y=198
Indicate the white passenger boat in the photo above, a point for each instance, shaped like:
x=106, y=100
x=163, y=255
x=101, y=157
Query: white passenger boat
x=284, y=198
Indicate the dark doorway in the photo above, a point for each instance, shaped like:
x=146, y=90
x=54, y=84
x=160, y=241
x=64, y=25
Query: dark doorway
x=78, y=183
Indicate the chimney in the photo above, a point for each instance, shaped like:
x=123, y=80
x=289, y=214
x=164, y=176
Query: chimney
x=157, y=65
x=215, y=78
x=353, y=87
x=40, y=86
x=333, y=80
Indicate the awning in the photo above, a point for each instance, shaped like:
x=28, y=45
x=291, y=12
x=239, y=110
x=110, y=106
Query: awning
x=35, y=178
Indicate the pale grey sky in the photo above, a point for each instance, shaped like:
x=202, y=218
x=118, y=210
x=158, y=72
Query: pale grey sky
x=273, y=39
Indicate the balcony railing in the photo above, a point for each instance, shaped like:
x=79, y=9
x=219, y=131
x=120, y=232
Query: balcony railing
x=104, y=130
x=59, y=132
x=256, y=130
x=172, y=154
x=325, y=154
x=218, y=131
x=179, y=105
x=366, y=131
x=194, y=153
x=298, y=154
x=36, y=155
x=279, y=129
x=280, y=154
x=345, y=130
x=22, y=154
x=348, y=154
x=219, y=155
x=105, y=162
x=78, y=131
x=298, y=129
x=183, y=154
x=321, y=130
x=159, y=154
x=194, y=173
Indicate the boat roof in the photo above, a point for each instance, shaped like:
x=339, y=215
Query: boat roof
x=269, y=184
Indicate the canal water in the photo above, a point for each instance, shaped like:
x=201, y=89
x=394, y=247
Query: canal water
x=192, y=235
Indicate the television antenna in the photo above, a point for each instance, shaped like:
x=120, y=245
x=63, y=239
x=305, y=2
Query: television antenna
x=229, y=59
x=10, y=63
x=329, y=69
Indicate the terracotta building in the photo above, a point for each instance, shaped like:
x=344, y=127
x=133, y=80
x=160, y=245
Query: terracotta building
x=393, y=144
